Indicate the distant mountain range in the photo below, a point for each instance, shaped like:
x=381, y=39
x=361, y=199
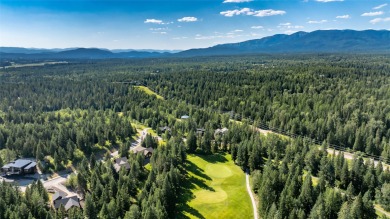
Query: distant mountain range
x=320, y=41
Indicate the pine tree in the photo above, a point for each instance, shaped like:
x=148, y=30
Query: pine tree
x=89, y=207
x=191, y=142
x=356, y=211
x=318, y=210
x=133, y=213
x=306, y=198
x=344, y=211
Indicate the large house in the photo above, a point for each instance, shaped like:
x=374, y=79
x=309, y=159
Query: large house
x=59, y=198
x=220, y=131
x=121, y=163
x=20, y=166
x=164, y=129
x=147, y=152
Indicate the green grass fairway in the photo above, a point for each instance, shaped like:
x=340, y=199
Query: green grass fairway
x=216, y=189
x=149, y=92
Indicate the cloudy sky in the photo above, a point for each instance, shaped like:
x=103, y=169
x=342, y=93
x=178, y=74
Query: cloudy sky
x=176, y=24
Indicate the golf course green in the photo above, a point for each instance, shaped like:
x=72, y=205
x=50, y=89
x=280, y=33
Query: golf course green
x=216, y=189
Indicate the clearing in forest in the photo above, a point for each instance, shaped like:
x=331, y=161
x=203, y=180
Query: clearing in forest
x=149, y=92
x=215, y=189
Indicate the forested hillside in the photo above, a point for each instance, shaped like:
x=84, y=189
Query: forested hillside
x=74, y=114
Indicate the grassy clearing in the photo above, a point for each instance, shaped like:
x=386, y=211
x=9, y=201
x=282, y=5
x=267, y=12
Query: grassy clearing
x=148, y=91
x=380, y=211
x=216, y=189
x=14, y=65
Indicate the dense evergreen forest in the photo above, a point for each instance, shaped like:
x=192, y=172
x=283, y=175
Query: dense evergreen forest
x=72, y=114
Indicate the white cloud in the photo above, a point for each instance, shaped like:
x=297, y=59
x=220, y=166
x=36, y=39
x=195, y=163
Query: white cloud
x=163, y=32
x=289, y=26
x=256, y=34
x=238, y=30
x=290, y=32
x=329, y=1
x=268, y=12
x=179, y=38
x=370, y=14
x=295, y=27
x=377, y=20
x=231, y=13
x=153, y=21
x=188, y=19
x=317, y=22
x=257, y=27
x=379, y=6
x=343, y=16
x=251, y=12
x=236, y=1
x=158, y=29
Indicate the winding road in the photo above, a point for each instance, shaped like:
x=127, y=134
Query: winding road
x=248, y=188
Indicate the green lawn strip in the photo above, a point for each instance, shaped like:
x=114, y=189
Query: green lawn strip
x=217, y=189
x=149, y=92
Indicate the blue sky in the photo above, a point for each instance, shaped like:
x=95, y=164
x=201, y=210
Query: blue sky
x=176, y=24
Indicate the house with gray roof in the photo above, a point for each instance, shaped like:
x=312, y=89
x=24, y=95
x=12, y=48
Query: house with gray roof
x=121, y=163
x=68, y=202
x=19, y=167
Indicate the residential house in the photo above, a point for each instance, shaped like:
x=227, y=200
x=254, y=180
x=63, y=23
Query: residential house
x=200, y=131
x=19, y=167
x=147, y=152
x=164, y=129
x=220, y=131
x=121, y=163
x=185, y=117
x=67, y=202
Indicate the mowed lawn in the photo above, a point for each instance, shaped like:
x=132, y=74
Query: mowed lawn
x=216, y=189
x=149, y=92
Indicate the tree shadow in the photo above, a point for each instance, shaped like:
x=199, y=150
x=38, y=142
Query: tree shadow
x=200, y=183
x=185, y=197
x=190, y=210
x=193, y=168
x=214, y=158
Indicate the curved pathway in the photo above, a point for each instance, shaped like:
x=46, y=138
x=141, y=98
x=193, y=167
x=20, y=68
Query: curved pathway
x=248, y=188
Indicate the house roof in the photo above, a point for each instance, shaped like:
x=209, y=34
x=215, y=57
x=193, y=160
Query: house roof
x=221, y=131
x=165, y=128
x=67, y=202
x=136, y=150
x=31, y=165
x=121, y=162
x=58, y=195
x=19, y=163
x=148, y=150
x=185, y=116
x=72, y=203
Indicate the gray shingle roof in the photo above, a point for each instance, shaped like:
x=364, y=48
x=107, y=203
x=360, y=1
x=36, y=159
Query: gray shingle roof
x=32, y=164
x=19, y=163
x=67, y=202
x=58, y=195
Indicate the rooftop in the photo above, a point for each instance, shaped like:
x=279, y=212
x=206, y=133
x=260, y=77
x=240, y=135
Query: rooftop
x=19, y=163
x=67, y=202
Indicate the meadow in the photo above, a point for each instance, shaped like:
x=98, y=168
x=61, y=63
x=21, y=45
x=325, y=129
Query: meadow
x=216, y=188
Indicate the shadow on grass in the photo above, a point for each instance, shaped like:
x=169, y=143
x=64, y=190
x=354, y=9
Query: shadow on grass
x=190, y=210
x=200, y=183
x=186, y=196
x=214, y=158
x=193, y=168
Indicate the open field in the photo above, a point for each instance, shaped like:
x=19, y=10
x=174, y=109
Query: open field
x=34, y=64
x=148, y=91
x=216, y=189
